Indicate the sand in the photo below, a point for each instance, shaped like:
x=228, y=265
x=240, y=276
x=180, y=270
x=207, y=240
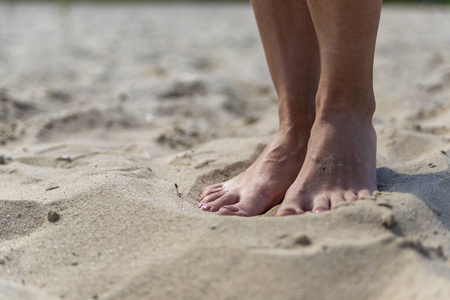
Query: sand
x=104, y=109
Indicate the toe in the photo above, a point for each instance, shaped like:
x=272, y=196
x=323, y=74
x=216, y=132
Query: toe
x=208, y=192
x=364, y=193
x=336, y=199
x=350, y=196
x=217, y=185
x=233, y=210
x=289, y=212
x=206, y=207
x=227, y=199
x=212, y=197
x=228, y=210
x=211, y=189
x=255, y=204
x=321, y=204
x=295, y=203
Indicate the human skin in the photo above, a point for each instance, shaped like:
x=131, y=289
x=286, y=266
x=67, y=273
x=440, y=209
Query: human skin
x=320, y=55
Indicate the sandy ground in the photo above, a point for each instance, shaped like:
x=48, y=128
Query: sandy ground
x=103, y=109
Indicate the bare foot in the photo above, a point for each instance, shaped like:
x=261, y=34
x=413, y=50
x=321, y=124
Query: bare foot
x=264, y=183
x=340, y=163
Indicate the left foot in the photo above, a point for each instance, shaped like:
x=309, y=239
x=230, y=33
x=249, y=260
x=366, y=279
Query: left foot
x=340, y=163
x=262, y=185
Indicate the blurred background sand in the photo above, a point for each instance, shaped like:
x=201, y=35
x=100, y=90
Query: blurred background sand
x=105, y=107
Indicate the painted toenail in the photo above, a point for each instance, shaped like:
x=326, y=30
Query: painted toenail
x=231, y=208
x=200, y=205
x=206, y=207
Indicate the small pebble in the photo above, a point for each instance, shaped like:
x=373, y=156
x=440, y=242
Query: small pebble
x=65, y=158
x=177, y=190
x=52, y=188
x=2, y=261
x=2, y=160
x=53, y=216
x=302, y=240
x=388, y=220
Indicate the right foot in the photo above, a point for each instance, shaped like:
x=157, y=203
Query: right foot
x=340, y=164
x=263, y=185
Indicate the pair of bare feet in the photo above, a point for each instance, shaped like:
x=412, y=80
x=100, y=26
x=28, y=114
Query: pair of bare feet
x=323, y=157
x=320, y=56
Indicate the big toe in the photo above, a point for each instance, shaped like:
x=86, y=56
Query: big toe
x=227, y=199
x=289, y=211
x=232, y=210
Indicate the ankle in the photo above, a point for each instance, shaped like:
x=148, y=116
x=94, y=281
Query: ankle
x=352, y=103
x=296, y=116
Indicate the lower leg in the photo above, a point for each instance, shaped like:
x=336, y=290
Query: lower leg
x=292, y=54
x=341, y=156
x=346, y=31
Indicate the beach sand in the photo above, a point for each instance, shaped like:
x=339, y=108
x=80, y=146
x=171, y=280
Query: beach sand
x=105, y=109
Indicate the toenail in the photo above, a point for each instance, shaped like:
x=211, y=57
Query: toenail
x=200, y=205
x=206, y=207
x=231, y=208
x=319, y=210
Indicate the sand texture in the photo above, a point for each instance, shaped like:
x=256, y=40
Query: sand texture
x=104, y=109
